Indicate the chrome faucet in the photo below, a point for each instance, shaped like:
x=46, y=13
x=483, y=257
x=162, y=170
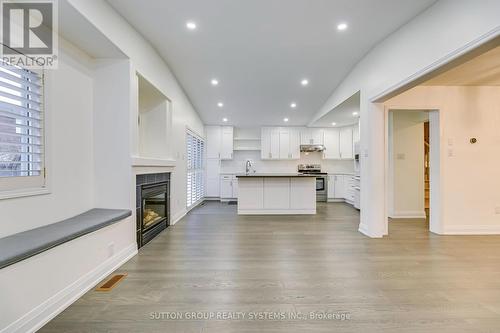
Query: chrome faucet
x=248, y=167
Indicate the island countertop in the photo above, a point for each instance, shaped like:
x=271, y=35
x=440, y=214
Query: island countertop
x=257, y=175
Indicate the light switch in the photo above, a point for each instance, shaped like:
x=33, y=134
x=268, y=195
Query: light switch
x=450, y=152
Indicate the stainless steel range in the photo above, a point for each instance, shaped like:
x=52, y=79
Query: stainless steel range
x=321, y=179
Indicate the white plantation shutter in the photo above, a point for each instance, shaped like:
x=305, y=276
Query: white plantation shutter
x=195, y=147
x=21, y=128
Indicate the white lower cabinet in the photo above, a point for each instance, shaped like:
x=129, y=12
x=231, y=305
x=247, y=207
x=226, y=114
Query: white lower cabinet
x=277, y=193
x=344, y=187
x=228, y=187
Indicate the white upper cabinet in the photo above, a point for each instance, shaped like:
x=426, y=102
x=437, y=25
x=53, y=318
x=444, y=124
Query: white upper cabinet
x=219, y=142
x=284, y=139
x=280, y=143
x=226, y=152
x=346, y=143
x=294, y=143
x=332, y=144
x=214, y=140
x=311, y=136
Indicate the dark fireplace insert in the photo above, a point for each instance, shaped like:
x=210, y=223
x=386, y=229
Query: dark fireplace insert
x=153, y=211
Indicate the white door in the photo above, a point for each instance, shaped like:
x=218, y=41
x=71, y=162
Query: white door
x=214, y=138
x=284, y=142
x=339, y=191
x=346, y=148
x=275, y=143
x=332, y=144
x=226, y=189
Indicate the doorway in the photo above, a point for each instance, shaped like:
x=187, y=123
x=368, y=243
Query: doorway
x=413, y=167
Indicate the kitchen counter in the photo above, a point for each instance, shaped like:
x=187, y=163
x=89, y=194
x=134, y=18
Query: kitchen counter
x=276, y=193
x=240, y=175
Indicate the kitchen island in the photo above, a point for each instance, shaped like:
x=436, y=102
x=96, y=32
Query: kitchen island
x=272, y=194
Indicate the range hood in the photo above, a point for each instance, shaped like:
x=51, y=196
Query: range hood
x=311, y=148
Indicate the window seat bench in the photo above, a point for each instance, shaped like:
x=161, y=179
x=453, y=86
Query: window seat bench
x=17, y=247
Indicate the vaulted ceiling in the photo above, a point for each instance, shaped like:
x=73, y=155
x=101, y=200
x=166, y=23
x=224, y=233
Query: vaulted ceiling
x=261, y=50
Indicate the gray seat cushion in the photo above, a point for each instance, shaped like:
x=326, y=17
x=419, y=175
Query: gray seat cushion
x=25, y=244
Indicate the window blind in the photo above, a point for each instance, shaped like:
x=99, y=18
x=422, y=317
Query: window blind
x=195, y=150
x=21, y=122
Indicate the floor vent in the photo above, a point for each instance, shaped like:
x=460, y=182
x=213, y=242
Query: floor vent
x=111, y=283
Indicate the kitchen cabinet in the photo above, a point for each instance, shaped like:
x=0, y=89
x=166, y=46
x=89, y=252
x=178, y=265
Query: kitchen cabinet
x=219, y=142
x=214, y=140
x=227, y=143
x=212, y=176
x=346, y=143
x=339, y=187
x=311, y=136
x=228, y=187
x=332, y=144
x=280, y=143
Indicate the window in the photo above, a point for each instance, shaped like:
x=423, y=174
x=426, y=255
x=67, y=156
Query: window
x=21, y=129
x=195, y=168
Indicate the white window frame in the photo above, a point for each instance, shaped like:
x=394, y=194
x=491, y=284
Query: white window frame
x=198, y=172
x=14, y=187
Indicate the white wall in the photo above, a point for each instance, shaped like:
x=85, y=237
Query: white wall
x=445, y=30
x=70, y=95
x=407, y=156
x=69, y=147
x=469, y=172
x=145, y=60
x=237, y=165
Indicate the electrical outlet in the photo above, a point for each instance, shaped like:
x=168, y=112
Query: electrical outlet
x=497, y=210
x=111, y=249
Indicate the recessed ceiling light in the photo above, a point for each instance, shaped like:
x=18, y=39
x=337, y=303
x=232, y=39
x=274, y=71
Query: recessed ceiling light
x=333, y=124
x=285, y=120
x=214, y=82
x=293, y=105
x=304, y=82
x=220, y=104
x=224, y=120
x=190, y=25
x=342, y=26
x=354, y=113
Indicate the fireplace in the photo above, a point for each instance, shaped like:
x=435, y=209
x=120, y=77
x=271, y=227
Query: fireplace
x=153, y=206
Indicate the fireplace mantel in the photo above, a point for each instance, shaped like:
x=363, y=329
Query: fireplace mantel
x=152, y=162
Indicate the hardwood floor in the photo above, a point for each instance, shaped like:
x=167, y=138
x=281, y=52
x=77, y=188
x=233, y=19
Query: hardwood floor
x=214, y=261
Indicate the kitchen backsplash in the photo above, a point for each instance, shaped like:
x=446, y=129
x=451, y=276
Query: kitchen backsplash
x=237, y=165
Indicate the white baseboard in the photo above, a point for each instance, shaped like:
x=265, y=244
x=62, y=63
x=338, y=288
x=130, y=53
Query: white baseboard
x=42, y=314
x=179, y=216
x=408, y=214
x=471, y=230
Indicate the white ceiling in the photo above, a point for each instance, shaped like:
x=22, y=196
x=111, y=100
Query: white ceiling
x=76, y=29
x=259, y=50
x=483, y=70
x=342, y=115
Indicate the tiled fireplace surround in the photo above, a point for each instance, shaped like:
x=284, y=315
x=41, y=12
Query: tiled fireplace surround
x=144, y=181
